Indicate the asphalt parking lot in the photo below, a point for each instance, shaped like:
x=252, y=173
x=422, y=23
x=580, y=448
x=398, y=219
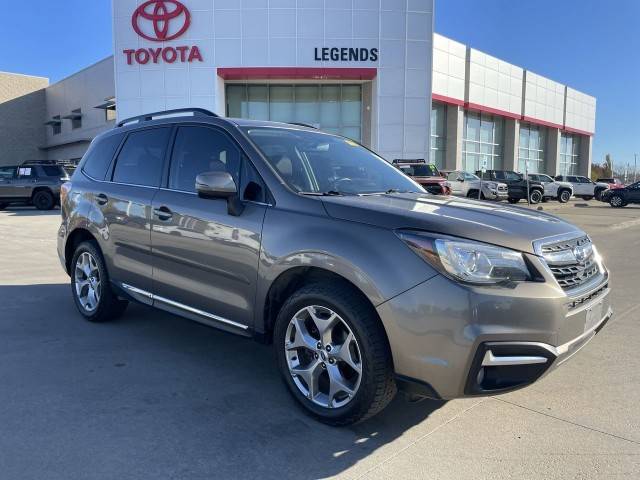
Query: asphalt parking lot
x=156, y=396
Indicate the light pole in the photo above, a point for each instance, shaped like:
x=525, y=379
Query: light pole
x=635, y=167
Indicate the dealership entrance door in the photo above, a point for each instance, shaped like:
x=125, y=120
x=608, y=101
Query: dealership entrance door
x=335, y=108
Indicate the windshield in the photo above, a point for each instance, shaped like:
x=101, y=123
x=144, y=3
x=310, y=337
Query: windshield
x=508, y=175
x=314, y=162
x=421, y=170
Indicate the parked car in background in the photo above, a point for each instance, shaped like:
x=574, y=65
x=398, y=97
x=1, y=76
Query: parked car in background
x=584, y=187
x=34, y=183
x=362, y=281
x=612, y=182
x=516, y=184
x=425, y=174
x=621, y=197
x=561, y=191
x=465, y=184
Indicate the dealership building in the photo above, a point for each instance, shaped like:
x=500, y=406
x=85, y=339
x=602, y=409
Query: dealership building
x=372, y=70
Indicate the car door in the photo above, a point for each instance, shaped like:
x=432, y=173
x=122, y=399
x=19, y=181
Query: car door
x=455, y=180
x=205, y=259
x=7, y=175
x=124, y=204
x=23, y=182
x=578, y=188
x=633, y=193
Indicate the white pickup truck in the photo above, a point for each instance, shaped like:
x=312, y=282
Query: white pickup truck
x=561, y=191
x=465, y=184
x=584, y=187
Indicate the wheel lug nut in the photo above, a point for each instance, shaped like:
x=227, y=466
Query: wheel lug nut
x=316, y=355
x=328, y=348
x=324, y=365
x=319, y=345
x=332, y=361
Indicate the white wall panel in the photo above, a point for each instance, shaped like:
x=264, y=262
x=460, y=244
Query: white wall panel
x=449, y=59
x=544, y=99
x=580, y=111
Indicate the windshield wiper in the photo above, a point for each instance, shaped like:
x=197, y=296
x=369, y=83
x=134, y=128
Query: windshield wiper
x=330, y=193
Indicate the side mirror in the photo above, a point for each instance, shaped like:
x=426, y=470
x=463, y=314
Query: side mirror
x=460, y=179
x=220, y=185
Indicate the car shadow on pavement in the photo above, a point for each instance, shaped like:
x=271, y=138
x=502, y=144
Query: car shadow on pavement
x=29, y=212
x=152, y=395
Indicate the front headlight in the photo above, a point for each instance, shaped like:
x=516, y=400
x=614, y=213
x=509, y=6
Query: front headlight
x=467, y=261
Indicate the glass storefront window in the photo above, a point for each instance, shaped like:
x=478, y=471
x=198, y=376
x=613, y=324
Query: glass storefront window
x=482, y=140
x=569, y=154
x=332, y=108
x=532, y=148
x=438, y=134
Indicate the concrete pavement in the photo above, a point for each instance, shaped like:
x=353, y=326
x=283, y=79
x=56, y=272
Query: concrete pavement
x=156, y=396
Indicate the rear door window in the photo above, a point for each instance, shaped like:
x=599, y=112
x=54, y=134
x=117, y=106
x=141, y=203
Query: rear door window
x=141, y=158
x=573, y=179
x=7, y=173
x=53, y=170
x=98, y=158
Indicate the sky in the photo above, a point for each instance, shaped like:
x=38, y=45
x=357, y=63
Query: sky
x=590, y=45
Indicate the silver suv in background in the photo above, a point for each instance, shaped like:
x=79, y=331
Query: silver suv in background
x=465, y=184
x=584, y=187
x=363, y=282
x=34, y=183
x=561, y=191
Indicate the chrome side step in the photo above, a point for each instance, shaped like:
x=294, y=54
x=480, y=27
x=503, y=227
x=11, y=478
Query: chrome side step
x=181, y=306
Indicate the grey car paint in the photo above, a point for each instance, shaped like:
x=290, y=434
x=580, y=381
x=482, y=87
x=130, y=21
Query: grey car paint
x=225, y=266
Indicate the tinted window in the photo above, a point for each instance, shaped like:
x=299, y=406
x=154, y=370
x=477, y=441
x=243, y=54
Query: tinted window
x=573, y=179
x=141, y=158
x=252, y=188
x=53, y=171
x=423, y=170
x=99, y=156
x=7, y=172
x=198, y=150
x=470, y=176
x=584, y=180
x=453, y=177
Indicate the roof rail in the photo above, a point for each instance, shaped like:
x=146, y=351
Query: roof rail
x=40, y=162
x=197, y=112
x=300, y=124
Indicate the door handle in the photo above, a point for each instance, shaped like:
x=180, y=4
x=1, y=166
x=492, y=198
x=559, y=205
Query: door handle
x=102, y=199
x=163, y=213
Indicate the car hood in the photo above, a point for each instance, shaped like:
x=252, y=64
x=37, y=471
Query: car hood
x=497, y=224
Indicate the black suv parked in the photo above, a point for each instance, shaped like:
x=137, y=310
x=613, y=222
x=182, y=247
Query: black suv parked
x=34, y=183
x=621, y=197
x=517, y=184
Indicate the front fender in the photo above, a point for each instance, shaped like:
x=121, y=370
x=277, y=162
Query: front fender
x=373, y=259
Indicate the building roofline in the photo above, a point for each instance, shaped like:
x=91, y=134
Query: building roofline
x=81, y=70
x=24, y=75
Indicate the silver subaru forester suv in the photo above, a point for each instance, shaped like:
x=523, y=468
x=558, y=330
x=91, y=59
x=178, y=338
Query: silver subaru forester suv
x=363, y=282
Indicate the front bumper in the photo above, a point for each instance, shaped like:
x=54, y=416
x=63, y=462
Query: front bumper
x=440, y=334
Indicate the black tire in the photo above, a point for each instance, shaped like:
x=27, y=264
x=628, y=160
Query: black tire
x=545, y=199
x=535, y=196
x=564, y=196
x=377, y=385
x=473, y=194
x=513, y=200
x=43, y=200
x=598, y=195
x=109, y=306
x=588, y=197
x=3, y=206
x=616, y=201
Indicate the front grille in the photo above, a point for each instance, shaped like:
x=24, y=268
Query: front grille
x=571, y=271
x=502, y=188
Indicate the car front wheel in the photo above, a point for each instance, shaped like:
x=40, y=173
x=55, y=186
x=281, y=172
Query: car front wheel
x=513, y=200
x=564, y=196
x=616, y=201
x=333, y=354
x=90, y=285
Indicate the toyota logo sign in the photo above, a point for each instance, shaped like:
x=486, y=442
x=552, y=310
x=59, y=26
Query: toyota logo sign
x=161, y=21
x=164, y=20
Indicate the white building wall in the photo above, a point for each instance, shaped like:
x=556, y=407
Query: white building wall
x=449, y=58
x=543, y=99
x=285, y=33
x=580, y=111
x=494, y=83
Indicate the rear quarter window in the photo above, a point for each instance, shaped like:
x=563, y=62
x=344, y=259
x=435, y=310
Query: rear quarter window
x=98, y=158
x=53, y=171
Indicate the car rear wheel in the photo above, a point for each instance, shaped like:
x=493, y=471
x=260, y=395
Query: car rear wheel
x=43, y=200
x=564, y=196
x=535, y=196
x=616, y=201
x=90, y=285
x=3, y=206
x=333, y=354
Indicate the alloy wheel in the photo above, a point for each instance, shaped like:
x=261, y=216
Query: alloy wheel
x=87, y=281
x=323, y=357
x=616, y=201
